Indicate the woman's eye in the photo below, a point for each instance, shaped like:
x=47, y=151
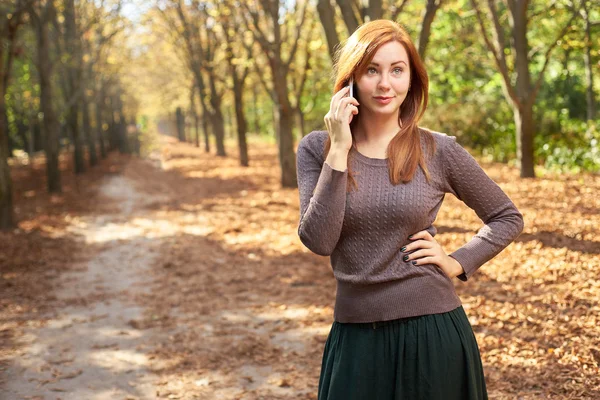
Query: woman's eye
x=396, y=70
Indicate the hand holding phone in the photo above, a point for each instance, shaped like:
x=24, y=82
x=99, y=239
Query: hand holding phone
x=343, y=107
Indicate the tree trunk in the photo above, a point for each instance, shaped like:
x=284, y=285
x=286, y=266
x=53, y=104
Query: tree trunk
x=301, y=122
x=10, y=19
x=589, y=75
x=74, y=83
x=523, y=111
x=218, y=124
x=51, y=125
x=113, y=137
x=88, y=132
x=205, y=111
x=525, y=130
x=240, y=118
x=6, y=203
x=136, y=136
x=180, y=124
x=348, y=15
x=374, y=10
x=194, y=114
x=121, y=127
x=206, y=129
x=99, y=96
x=256, y=118
x=31, y=136
x=196, y=130
x=285, y=127
x=217, y=120
x=327, y=17
x=430, y=10
x=287, y=158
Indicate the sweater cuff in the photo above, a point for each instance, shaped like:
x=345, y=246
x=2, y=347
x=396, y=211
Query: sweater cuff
x=463, y=277
x=467, y=259
x=330, y=190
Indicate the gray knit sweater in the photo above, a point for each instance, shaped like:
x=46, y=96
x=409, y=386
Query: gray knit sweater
x=363, y=231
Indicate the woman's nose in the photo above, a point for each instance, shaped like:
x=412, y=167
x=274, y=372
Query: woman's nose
x=384, y=83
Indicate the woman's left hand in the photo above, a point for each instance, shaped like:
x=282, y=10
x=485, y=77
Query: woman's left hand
x=426, y=250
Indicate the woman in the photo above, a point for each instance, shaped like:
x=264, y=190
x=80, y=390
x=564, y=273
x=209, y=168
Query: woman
x=370, y=188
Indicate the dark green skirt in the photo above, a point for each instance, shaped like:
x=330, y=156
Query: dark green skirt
x=417, y=358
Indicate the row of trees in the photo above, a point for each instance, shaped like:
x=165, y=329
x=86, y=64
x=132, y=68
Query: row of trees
x=495, y=70
x=277, y=41
x=77, y=95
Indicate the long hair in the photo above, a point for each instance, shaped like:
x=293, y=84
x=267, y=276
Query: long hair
x=352, y=59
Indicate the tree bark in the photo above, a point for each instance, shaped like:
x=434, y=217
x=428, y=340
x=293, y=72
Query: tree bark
x=327, y=18
x=587, y=58
x=8, y=30
x=240, y=118
x=51, y=125
x=348, y=15
x=89, y=133
x=523, y=110
x=194, y=114
x=430, y=10
x=6, y=203
x=100, y=99
x=218, y=122
x=180, y=124
x=238, y=76
x=73, y=71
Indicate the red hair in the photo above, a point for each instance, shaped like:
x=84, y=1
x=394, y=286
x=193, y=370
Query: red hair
x=352, y=59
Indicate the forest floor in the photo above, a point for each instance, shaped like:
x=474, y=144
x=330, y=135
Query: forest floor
x=181, y=276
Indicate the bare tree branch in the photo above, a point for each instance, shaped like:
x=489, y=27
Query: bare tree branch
x=398, y=9
x=562, y=33
x=297, y=37
x=500, y=60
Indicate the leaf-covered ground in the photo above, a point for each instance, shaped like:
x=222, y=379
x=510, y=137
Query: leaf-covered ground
x=238, y=308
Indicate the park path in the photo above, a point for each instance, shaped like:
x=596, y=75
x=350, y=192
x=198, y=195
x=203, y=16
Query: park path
x=90, y=347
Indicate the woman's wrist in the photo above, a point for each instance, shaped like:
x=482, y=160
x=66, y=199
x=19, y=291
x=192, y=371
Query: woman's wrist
x=337, y=158
x=458, y=269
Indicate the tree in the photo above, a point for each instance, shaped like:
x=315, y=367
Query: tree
x=238, y=70
x=73, y=56
x=522, y=94
x=41, y=13
x=10, y=20
x=589, y=75
x=271, y=44
x=194, y=26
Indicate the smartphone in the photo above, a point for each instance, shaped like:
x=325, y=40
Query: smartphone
x=351, y=84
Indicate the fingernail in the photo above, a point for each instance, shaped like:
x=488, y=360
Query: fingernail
x=410, y=236
x=403, y=249
x=414, y=263
x=405, y=258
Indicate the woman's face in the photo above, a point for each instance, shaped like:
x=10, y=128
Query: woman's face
x=384, y=85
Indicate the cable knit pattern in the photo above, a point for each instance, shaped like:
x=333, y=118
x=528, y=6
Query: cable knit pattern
x=363, y=231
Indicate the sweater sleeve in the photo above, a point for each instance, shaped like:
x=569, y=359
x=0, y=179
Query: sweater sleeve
x=502, y=220
x=322, y=192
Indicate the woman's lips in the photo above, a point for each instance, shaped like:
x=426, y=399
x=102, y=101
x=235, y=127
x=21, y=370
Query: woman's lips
x=383, y=100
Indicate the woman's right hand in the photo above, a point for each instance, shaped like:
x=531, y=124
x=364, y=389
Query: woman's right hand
x=338, y=119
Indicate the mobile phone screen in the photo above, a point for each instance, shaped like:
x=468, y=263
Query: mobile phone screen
x=351, y=94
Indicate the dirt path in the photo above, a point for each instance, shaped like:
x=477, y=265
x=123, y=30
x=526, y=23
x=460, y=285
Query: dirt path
x=90, y=348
